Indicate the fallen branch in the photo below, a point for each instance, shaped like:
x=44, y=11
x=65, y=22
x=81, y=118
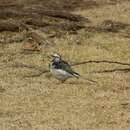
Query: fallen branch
x=56, y=14
x=31, y=12
x=9, y=25
x=35, y=17
x=68, y=26
x=65, y=15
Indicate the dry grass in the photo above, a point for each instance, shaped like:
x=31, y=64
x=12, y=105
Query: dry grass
x=40, y=103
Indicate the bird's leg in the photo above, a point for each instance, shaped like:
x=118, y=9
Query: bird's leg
x=62, y=81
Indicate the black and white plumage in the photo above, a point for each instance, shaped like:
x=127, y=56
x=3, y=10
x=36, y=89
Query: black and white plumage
x=60, y=69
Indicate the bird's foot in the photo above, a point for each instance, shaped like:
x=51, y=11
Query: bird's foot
x=62, y=81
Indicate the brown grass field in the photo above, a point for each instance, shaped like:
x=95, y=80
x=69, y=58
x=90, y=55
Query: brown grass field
x=42, y=103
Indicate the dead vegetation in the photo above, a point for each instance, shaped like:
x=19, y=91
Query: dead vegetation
x=54, y=22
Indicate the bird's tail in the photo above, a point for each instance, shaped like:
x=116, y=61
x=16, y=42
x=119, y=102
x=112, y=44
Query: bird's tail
x=80, y=76
x=90, y=80
x=76, y=75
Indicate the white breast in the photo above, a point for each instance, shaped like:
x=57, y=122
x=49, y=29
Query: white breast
x=60, y=74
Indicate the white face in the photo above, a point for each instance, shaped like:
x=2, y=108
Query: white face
x=56, y=57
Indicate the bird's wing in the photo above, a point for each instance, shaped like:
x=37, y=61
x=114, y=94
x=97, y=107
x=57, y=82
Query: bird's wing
x=66, y=66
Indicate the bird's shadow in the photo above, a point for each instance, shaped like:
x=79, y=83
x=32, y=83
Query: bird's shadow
x=78, y=83
x=73, y=83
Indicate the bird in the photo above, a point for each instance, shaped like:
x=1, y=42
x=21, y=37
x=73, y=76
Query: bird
x=61, y=69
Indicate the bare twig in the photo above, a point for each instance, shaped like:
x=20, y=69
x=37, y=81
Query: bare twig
x=96, y=61
x=21, y=65
x=126, y=70
x=37, y=74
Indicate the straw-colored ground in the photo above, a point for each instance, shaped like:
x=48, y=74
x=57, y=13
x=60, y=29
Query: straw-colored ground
x=41, y=103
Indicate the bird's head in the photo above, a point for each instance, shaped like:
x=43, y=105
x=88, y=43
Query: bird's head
x=56, y=57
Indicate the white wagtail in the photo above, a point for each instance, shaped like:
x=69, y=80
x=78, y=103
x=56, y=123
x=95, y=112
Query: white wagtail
x=60, y=69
